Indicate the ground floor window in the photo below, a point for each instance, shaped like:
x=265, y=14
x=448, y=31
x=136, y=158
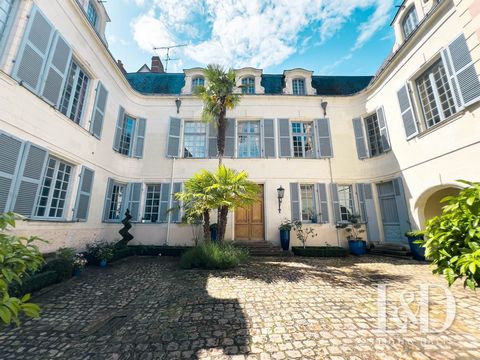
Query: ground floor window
x=53, y=194
x=152, y=203
x=345, y=201
x=117, y=199
x=307, y=196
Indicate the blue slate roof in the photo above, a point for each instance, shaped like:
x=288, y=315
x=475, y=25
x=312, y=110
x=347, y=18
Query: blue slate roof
x=172, y=83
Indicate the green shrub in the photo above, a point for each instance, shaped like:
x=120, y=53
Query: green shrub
x=320, y=251
x=121, y=253
x=453, y=239
x=415, y=234
x=34, y=282
x=101, y=251
x=212, y=255
x=62, y=267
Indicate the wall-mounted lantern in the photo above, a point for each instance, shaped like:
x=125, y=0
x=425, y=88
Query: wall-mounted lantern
x=178, y=103
x=324, y=107
x=280, y=194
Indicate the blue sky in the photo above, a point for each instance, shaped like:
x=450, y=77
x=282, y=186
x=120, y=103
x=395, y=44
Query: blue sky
x=330, y=37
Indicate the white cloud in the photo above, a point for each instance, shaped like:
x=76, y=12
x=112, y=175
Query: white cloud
x=257, y=33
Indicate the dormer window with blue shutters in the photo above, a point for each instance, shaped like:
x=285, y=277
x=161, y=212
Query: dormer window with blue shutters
x=410, y=22
x=248, y=85
x=197, y=81
x=298, y=87
x=92, y=14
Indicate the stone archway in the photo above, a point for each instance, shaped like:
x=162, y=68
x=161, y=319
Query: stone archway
x=429, y=204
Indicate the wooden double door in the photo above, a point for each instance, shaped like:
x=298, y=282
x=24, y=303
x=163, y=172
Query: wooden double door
x=250, y=221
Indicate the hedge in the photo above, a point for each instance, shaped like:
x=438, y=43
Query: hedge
x=155, y=250
x=62, y=267
x=320, y=251
x=34, y=282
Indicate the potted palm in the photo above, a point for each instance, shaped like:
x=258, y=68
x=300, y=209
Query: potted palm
x=353, y=227
x=285, y=228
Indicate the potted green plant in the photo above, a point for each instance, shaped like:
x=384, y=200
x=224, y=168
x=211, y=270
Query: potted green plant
x=101, y=252
x=353, y=227
x=415, y=241
x=79, y=263
x=285, y=227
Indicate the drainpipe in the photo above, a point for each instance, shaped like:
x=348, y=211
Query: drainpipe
x=331, y=196
x=170, y=201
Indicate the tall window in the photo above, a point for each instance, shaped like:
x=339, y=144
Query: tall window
x=198, y=81
x=126, y=136
x=5, y=10
x=92, y=14
x=152, y=203
x=435, y=94
x=194, y=139
x=51, y=201
x=298, y=86
x=249, y=139
x=116, y=198
x=373, y=135
x=248, y=85
x=302, y=139
x=74, y=94
x=307, y=194
x=410, y=22
x=345, y=201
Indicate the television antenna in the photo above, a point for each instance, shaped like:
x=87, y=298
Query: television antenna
x=167, y=56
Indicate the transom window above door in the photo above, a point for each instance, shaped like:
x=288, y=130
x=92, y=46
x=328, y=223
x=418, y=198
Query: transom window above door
x=248, y=85
x=194, y=139
x=249, y=139
x=302, y=139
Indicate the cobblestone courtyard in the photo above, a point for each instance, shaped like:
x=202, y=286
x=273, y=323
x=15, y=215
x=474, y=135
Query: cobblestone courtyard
x=147, y=308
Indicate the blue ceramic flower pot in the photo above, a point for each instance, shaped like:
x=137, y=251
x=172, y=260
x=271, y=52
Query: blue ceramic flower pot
x=103, y=263
x=357, y=247
x=77, y=272
x=285, y=239
x=418, y=251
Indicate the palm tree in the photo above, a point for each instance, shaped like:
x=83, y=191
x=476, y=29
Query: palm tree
x=218, y=97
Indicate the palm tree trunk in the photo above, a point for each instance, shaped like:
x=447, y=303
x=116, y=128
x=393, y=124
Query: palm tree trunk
x=222, y=223
x=206, y=225
x=222, y=128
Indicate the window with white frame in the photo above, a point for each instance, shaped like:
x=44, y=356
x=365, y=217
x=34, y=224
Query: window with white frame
x=194, y=139
x=74, y=94
x=5, y=12
x=92, y=14
x=307, y=196
x=435, y=94
x=127, y=135
x=302, y=139
x=410, y=22
x=248, y=85
x=345, y=201
x=53, y=194
x=248, y=139
x=298, y=87
x=116, y=201
x=374, y=136
x=198, y=81
x=152, y=203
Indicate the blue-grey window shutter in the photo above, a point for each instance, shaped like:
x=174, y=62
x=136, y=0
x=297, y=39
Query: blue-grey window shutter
x=359, y=138
x=370, y=217
x=268, y=134
x=322, y=203
x=285, y=150
x=212, y=139
x=176, y=211
x=82, y=204
x=382, y=124
x=463, y=72
x=361, y=201
x=119, y=128
x=33, y=52
x=134, y=192
x=295, y=201
x=173, y=143
x=230, y=138
x=96, y=124
x=408, y=114
x=11, y=150
x=324, y=138
x=140, y=138
x=108, y=199
x=402, y=209
x=56, y=70
x=165, y=195
x=336, y=206
x=31, y=170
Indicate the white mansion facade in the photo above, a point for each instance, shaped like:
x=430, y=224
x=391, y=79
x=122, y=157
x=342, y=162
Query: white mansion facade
x=81, y=141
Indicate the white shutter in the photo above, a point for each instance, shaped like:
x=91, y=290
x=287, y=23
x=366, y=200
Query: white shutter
x=84, y=194
x=382, y=124
x=407, y=111
x=119, y=128
x=140, y=138
x=11, y=150
x=96, y=125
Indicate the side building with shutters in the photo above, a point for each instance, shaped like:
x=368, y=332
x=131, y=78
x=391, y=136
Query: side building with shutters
x=81, y=141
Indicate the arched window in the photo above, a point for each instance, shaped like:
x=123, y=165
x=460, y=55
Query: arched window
x=409, y=22
x=248, y=85
x=298, y=86
x=197, y=81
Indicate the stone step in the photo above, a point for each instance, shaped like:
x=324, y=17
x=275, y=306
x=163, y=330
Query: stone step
x=391, y=250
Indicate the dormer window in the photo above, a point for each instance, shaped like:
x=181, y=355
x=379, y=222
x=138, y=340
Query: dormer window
x=198, y=81
x=92, y=14
x=298, y=87
x=410, y=22
x=248, y=85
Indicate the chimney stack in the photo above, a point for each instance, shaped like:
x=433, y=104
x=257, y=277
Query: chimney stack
x=120, y=66
x=157, y=66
